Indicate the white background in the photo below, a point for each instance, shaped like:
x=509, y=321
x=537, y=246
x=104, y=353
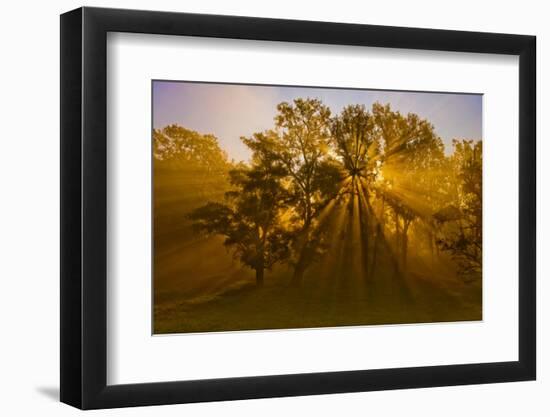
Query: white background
x=29, y=223
x=134, y=356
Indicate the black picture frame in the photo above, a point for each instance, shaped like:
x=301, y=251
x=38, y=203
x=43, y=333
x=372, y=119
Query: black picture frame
x=84, y=208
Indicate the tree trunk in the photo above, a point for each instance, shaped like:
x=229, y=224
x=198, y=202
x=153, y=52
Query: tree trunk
x=375, y=249
x=363, y=214
x=432, y=249
x=397, y=233
x=309, y=214
x=259, y=277
x=404, y=244
x=365, y=234
x=298, y=275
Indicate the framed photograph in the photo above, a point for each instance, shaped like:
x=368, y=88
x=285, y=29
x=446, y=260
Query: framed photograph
x=257, y=208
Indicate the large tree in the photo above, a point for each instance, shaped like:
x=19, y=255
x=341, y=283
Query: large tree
x=412, y=156
x=358, y=149
x=355, y=141
x=249, y=219
x=299, y=144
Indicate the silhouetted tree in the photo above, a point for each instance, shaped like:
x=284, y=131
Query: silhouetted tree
x=355, y=141
x=250, y=217
x=299, y=144
x=412, y=152
x=461, y=222
x=358, y=148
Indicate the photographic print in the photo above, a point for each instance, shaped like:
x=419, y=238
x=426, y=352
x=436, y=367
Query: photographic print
x=284, y=207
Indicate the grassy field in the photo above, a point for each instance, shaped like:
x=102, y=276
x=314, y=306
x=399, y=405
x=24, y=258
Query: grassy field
x=240, y=305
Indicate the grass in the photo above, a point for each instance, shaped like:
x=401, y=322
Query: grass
x=242, y=306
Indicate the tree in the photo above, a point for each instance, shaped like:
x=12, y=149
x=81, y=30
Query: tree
x=404, y=217
x=250, y=217
x=187, y=148
x=412, y=157
x=302, y=144
x=358, y=148
x=355, y=142
x=299, y=144
x=461, y=222
x=189, y=168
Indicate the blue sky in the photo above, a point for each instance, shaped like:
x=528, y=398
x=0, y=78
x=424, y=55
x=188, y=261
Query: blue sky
x=230, y=111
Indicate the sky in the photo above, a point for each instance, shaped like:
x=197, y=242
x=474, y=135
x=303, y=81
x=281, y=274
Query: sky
x=230, y=111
